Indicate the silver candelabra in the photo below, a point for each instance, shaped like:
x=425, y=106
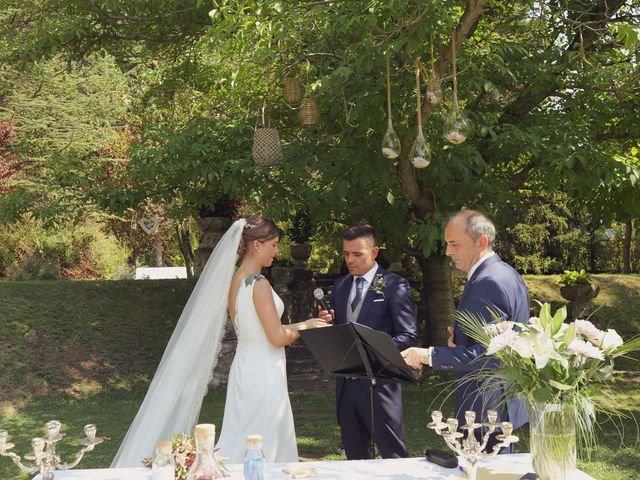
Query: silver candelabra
x=44, y=457
x=468, y=448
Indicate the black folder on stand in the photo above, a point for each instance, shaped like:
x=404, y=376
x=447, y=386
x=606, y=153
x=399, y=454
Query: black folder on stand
x=353, y=350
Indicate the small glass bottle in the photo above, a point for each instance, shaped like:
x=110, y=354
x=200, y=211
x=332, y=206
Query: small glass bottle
x=163, y=467
x=204, y=465
x=254, y=459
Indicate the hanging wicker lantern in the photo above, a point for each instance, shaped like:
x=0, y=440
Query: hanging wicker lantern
x=267, y=149
x=292, y=91
x=308, y=113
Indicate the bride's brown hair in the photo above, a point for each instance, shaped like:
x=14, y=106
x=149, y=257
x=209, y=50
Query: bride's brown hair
x=257, y=228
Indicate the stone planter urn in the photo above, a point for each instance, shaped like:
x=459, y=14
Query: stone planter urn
x=579, y=297
x=301, y=253
x=580, y=293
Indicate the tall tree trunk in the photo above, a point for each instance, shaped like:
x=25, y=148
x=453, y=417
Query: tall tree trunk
x=184, y=240
x=626, y=249
x=592, y=250
x=437, y=298
x=159, y=251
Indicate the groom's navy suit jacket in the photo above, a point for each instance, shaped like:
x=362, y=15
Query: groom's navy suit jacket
x=494, y=286
x=392, y=312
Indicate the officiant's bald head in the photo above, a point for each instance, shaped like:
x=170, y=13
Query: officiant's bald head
x=475, y=224
x=469, y=236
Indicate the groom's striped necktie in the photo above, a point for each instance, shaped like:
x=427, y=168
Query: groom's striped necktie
x=358, y=296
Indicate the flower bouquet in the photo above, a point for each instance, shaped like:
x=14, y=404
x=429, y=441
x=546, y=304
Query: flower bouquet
x=183, y=452
x=558, y=367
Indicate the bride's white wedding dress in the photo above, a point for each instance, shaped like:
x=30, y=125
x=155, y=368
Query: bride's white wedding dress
x=257, y=395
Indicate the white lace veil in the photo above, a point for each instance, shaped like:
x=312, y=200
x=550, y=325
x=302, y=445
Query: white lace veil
x=172, y=403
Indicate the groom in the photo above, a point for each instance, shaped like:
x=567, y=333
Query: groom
x=381, y=300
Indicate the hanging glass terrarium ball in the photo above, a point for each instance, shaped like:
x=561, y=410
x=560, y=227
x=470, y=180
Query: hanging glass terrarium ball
x=434, y=89
x=456, y=127
x=391, y=144
x=420, y=152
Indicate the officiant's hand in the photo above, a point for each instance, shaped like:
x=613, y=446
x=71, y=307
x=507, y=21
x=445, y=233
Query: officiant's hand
x=450, y=339
x=326, y=315
x=416, y=357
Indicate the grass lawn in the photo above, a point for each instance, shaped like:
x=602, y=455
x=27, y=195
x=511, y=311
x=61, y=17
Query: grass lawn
x=83, y=352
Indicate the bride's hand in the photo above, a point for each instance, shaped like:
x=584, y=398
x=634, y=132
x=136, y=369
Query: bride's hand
x=315, y=323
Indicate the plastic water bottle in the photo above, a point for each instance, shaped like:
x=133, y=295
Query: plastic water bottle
x=163, y=467
x=254, y=459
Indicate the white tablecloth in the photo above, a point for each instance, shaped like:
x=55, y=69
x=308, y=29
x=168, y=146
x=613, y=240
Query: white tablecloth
x=501, y=467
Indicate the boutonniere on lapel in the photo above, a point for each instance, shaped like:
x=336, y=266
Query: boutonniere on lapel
x=377, y=286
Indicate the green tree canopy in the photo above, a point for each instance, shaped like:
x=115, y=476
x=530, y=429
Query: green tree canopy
x=550, y=88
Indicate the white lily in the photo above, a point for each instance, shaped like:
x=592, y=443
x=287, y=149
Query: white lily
x=540, y=346
x=523, y=345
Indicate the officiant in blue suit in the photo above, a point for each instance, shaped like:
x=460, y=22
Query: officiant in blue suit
x=491, y=285
x=371, y=296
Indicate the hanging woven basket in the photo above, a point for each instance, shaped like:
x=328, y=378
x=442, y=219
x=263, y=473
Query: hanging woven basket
x=308, y=113
x=292, y=91
x=267, y=149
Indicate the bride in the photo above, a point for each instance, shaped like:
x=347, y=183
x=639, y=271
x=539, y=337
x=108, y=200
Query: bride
x=257, y=397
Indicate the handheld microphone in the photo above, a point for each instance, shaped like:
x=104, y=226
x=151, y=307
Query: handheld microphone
x=319, y=295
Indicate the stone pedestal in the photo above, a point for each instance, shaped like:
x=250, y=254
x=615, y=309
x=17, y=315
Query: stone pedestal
x=282, y=277
x=213, y=228
x=302, y=301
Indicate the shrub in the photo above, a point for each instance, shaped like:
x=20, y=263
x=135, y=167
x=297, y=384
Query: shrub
x=34, y=267
x=573, y=277
x=29, y=250
x=301, y=229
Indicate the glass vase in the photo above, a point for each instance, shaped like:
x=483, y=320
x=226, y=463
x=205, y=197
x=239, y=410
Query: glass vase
x=204, y=466
x=420, y=152
x=391, y=144
x=456, y=127
x=552, y=429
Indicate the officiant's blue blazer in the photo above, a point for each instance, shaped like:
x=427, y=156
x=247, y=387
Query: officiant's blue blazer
x=392, y=312
x=494, y=286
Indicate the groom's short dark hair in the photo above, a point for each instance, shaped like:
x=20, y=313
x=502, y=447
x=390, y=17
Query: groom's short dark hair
x=358, y=231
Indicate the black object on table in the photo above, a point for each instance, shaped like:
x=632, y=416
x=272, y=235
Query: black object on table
x=442, y=458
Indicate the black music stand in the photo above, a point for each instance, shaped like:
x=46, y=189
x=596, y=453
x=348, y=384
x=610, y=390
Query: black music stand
x=354, y=350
